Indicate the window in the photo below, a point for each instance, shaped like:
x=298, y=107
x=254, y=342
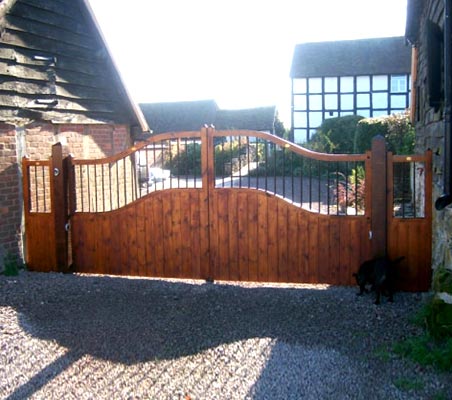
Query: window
x=331, y=85
x=315, y=102
x=363, y=84
x=398, y=101
x=346, y=102
x=300, y=136
x=398, y=84
x=363, y=100
x=364, y=113
x=315, y=119
x=299, y=85
x=299, y=102
x=331, y=102
x=347, y=85
x=379, y=82
x=379, y=100
x=315, y=85
x=300, y=119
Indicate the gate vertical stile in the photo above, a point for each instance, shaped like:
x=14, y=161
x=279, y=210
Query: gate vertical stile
x=59, y=203
x=207, y=185
x=378, y=233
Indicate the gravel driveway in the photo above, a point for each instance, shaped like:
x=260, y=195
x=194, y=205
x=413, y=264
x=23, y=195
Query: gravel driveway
x=93, y=337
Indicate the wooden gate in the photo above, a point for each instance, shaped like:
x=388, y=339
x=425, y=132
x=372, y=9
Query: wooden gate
x=229, y=205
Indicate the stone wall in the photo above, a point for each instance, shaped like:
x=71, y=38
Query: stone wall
x=35, y=141
x=430, y=131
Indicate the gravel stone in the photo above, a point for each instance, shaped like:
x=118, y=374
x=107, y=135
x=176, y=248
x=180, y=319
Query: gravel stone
x=102, y=337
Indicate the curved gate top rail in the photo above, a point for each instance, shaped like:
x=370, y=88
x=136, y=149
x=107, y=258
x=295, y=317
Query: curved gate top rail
x=323, y=183
x=232, y=204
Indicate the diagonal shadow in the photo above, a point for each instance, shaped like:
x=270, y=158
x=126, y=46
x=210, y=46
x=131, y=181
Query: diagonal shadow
x=137, y=320
x=44, y=376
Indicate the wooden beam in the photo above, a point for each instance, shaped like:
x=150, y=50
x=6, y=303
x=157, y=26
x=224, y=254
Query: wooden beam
x=378, y=231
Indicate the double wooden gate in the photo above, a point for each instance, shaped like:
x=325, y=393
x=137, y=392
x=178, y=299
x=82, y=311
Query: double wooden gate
x=229, y=205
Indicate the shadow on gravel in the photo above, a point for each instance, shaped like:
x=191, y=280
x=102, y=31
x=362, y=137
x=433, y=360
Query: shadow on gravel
x=137, y=320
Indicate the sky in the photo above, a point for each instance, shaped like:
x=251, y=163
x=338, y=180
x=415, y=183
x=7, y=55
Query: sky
x=236, y=52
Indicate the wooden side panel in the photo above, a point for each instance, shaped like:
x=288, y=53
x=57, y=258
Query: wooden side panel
x=40, y=243
x=409, y=238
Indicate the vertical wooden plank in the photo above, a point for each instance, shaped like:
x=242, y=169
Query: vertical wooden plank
x=213, y=235
x=334, y=249
x=141, y=219
x=124, y=266
x=131, y=218
x=243, y=239
x=176, y=237
x=252, y=236
x=206, y=272
x=314, y=248
x=90, y=245
x=196, y=243
x=185, y=234
x=272, y=239
x=115, y=242
x=324, y=250
x=103, y=251
x=168, y=234
x=282, y=241
x=293, y=260
x=158, y=235
x=345, y=252
x=222, y=242
x=303, y=247
x=262, y=238
x=233, y=228
x=151, y=241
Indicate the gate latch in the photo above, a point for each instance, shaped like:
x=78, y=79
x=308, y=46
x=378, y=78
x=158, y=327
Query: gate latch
x=370, y=235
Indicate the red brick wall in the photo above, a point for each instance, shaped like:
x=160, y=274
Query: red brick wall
x=10, y=194
x=82, y=141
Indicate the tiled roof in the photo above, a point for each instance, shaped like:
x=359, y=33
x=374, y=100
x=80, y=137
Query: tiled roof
x=179, y=116
x=193, y=115
x=258, y=119
x=351, y=57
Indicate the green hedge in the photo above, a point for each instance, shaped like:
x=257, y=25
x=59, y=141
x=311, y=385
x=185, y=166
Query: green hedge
x=354, y=134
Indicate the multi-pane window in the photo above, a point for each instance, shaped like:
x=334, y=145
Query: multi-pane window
x=319, y=98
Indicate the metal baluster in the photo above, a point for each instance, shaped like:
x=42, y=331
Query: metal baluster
x=319, y=176
x=310, y=183
x=248, y=159
x=103, y=187
x=43, y=169
x=328, y=200
x=274, y=168
x=413, y=196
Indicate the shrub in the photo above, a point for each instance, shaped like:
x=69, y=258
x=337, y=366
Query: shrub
x=429, y=348
x=335, y=135
x=11, y=265
x=396, y=129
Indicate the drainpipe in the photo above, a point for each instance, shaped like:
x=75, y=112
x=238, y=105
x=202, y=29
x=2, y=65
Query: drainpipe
x=446, y=198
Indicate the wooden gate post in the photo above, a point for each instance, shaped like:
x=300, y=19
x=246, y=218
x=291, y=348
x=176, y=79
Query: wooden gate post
x=378, y=233
x=60, y=206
